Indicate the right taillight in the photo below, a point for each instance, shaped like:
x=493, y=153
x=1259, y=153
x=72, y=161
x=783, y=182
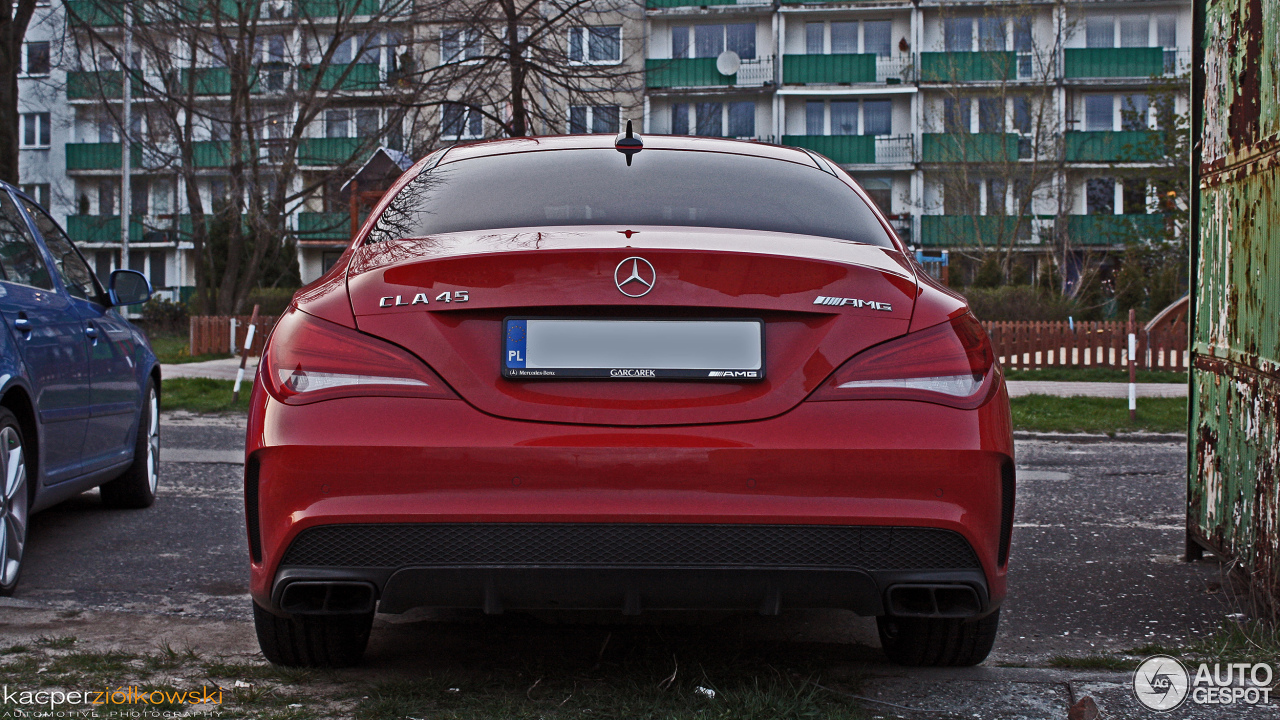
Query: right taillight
x=948, y=363
x=309, y=359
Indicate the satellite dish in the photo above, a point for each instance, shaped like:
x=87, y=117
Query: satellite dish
x=728, y=63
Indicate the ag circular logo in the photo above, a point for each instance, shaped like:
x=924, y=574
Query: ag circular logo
x=635, y=277
x=1161, y=683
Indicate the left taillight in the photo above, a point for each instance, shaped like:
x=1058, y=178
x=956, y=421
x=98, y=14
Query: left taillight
x=949, y=363
x=309, y=359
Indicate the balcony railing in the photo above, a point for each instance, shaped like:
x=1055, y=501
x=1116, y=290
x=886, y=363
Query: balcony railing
x=96, y=85
x=977, y=230
x=330, y=151
x=662, y=4
x=1115, y=229
x=969, y=147
x=967, y=66
x=1123, y=146
x=100, y=156
x=101, y=228
x=844, y=149
x=895, y=150
x=94, y=13
x=324, y=225
x=1130, y=62
x=336, y=8
x=828, y=69
x=353, y=77
x=702, y=72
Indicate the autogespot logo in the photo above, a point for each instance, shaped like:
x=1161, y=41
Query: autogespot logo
x=1161, y=683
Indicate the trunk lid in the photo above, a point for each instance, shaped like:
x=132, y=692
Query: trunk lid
x=412, y=292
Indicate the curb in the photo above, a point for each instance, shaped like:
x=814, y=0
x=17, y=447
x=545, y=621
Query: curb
x=1137, y=437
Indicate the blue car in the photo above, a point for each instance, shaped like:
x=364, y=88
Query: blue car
x=79, y=385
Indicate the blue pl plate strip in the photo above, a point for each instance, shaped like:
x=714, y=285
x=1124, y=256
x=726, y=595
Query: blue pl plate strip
x=517, y=334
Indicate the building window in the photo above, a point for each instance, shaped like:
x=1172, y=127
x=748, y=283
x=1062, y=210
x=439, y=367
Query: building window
x=1133, y=195
x=991, y=115
x=876, y=37
x=595, y=44
x=955, y=115
x=35, y=58
x=156, y=258
x=1100, y=31
x=35, y=130
x=38, y=192
x=957, y=34
x=709, y=119
x=1100, y=196
x=593, y=119
x=711, y=40
x=461, y=121
x=742, y=119
x=680, y=119
x=849, y=117
x=336, y=123
x=1134, y=112
x=1099, y=113
x=844, y=117
x=460, y=45
x=881, y=192
x=991, y=34
x=328, y=259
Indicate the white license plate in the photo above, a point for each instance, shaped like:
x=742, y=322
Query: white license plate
x=633, y=349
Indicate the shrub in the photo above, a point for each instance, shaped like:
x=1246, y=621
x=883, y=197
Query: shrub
x=1020, y=302
x=165, y=316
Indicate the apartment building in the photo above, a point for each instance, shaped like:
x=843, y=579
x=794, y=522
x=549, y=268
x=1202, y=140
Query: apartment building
x=969, y=123
x=359, y=54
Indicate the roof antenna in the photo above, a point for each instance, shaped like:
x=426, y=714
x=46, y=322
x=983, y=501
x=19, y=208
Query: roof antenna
x=628, y=143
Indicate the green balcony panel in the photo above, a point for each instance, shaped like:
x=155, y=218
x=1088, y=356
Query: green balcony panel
x=844, y=149
x=686, y=72
x=99, y=156
x=1115, y=229
x=819, y=69
x=357, y=76
x=336, y=8
x=331, y=151
x=324, y=226
x=972, y=230
x=660, y=4
x=101, y=228
x=94, y=13
x=966, y=147
x=1124, y=146
x=90, y=85
x=1114, y=62
x=211, y=154
x=967, y=66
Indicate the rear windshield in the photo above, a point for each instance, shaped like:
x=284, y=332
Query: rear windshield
x=661, y=187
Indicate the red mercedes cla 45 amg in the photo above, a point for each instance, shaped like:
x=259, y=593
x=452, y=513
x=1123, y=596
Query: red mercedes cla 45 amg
x=596, y=373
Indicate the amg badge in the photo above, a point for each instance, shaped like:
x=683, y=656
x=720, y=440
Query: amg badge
x=824, y=300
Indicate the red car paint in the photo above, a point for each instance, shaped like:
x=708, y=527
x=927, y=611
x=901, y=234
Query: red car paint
x=786, y=450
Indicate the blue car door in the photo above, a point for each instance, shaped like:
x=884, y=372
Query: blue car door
x=114, y=393
x=49, y=335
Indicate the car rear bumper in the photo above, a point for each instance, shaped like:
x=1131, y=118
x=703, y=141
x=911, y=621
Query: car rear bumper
x=413, y=502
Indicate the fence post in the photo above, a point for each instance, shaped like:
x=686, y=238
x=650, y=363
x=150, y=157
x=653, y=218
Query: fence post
x=1133, y=366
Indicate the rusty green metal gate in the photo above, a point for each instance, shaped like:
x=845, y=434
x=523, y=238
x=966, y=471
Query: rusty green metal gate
x=1233, y=505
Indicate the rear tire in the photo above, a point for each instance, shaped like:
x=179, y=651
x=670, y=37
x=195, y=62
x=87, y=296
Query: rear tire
x=15, y=502
x=953, y=642
x=136, y=488
x=312, y=640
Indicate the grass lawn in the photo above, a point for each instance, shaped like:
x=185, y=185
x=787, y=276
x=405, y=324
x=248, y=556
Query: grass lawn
x=172, y=349
x=204, y=395
x=1046, y=413
x=1095, y=374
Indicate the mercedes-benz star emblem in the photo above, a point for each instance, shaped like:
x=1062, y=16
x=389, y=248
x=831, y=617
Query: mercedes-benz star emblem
x=635, y=273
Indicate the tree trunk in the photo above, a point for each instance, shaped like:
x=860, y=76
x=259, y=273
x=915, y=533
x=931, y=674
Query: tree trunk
x=13, y=28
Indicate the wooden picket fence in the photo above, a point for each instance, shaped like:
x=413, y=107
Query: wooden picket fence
x=211, y=334
x=1025, y=345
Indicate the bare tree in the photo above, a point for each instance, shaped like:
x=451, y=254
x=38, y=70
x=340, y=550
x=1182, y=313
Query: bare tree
x=257, y=107
x=523, y=64
x=999, y=142
x=15, y=16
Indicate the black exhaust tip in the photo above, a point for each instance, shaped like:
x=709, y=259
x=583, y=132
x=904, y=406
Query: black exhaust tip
x=327, y=598
x=950, y=601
